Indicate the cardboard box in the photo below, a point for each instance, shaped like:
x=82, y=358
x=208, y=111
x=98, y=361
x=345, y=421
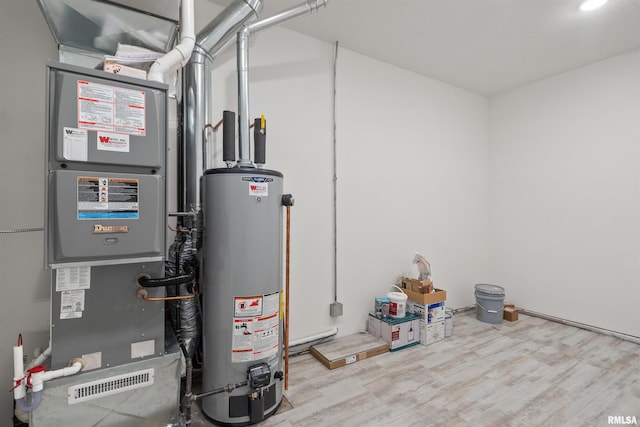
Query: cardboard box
x=428, y=313
x=124, y=70
x=439, y=295
x=374, y=325
x=419, y=286
x=431, y=332
x=510, y=314
x=348, y=349
x=400, y=333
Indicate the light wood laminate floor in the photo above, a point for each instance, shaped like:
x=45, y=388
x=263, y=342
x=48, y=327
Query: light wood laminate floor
x=531, y=372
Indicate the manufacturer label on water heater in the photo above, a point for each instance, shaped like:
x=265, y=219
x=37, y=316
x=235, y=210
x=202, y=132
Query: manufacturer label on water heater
x=258, y=185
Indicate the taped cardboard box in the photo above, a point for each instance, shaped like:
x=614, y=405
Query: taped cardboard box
x=348, y=349
x=431, y=332
x=440, y=295
x=124, y=70
x=420, y=286
x=398, y=333
x=374, y=325
x=510, y=313
x=429, y=313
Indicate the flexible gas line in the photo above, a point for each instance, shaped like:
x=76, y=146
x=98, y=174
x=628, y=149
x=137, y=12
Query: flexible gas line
x=21, y=230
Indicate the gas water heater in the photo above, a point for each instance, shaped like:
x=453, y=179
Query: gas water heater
x=242, y=278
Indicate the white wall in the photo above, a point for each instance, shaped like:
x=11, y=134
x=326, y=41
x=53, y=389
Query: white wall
x=25, y=46
x=565, y=196
x=412, y=173
x=412, y=177
x=290, y=83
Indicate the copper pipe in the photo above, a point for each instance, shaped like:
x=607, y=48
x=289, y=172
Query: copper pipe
x=193, y=294
x=217, y=125
x=286, y=319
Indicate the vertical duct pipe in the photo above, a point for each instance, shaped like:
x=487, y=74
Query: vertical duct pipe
x=307, y=7
x=243, y=98
x=197, y=97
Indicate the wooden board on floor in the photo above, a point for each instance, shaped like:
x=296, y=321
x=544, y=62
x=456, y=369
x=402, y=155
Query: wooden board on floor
x=345, y=350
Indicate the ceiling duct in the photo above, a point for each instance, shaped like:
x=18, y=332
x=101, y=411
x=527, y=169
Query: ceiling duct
x=94, y=28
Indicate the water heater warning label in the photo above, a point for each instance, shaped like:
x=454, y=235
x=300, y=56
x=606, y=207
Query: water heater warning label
x=248, y=306
x=255, y=333
x=108, y=198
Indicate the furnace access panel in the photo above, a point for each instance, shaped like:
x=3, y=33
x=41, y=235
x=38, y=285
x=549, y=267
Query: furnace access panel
x=106, y=167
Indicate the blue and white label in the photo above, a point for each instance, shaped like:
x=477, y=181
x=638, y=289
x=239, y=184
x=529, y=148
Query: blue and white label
x=108, y=198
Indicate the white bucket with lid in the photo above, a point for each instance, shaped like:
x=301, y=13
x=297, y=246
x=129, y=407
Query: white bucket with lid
x=397, y=303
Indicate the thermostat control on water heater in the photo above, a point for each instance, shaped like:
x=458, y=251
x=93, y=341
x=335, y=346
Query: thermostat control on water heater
x=259, y=375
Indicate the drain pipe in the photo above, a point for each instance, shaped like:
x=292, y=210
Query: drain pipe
x=305, y=8
x=179, y=55
x=313, y=338
x=34, y=378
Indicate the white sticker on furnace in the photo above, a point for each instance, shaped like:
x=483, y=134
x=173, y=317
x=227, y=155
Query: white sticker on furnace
x=74, y=144
x=260, y=189
x=72, y=278
x=113, y=142
x=71, y=304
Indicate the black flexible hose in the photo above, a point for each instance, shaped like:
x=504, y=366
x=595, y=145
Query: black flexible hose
x=187, y=398
x=147, y=282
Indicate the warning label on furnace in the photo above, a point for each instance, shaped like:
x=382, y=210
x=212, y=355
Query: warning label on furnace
x=108, y=198
x=111, y=109
x=255, y=333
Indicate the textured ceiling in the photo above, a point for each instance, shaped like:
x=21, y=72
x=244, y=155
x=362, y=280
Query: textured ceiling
x=486, y=46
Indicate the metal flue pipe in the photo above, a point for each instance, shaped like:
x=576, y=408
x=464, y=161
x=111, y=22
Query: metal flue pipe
x=304, y=8
x=197, y=95
x=215, y=36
